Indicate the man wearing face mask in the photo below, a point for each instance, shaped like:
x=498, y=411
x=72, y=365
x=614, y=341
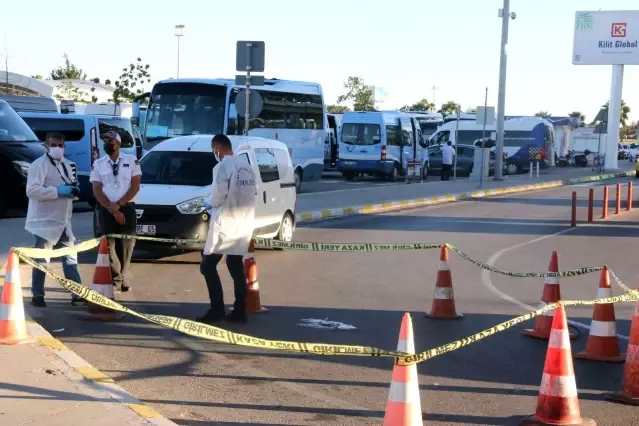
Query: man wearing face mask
x=232, y=208
x=116, y=181
x=51, y=189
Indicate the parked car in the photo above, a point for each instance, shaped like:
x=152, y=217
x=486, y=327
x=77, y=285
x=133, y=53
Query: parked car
x=19, y=147
x=176, y=183
x=465, y=160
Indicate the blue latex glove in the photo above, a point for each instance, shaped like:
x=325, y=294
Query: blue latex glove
x=64, y=191
x=208, y=207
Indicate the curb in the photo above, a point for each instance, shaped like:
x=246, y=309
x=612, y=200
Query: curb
x=94, y=376
x=449, y=198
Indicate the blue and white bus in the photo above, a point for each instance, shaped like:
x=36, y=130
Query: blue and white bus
x=293, y=112
x=429, y=121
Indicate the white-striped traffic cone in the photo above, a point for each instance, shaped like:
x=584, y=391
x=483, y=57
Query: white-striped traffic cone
x=552, y=294
x=103, y=284
x=558, y=402
x=603, y=344
x=404, y=407
x=444, y=298
x=13, y=328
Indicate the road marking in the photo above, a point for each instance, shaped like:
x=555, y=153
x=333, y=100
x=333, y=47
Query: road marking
x=486, y=280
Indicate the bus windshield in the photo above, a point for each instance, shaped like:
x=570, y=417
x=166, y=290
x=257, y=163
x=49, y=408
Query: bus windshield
x=179, y=109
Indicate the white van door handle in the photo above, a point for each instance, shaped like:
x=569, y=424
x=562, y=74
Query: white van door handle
x=264, y=196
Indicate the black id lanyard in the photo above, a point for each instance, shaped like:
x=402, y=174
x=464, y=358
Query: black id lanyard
x=66, y=173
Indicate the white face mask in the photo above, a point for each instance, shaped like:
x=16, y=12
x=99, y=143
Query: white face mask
x=56, y=153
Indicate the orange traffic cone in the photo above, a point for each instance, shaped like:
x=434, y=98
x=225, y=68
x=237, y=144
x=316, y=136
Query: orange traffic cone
x=602, y=341
x=13, y=328
x=103, y=284
x=551, y=295
x=403, y=407
x=444, y=298
x=558, y=403
x=253, y=305
x=630, y=387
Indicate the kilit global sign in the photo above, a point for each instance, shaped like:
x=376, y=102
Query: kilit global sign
x=619, y=44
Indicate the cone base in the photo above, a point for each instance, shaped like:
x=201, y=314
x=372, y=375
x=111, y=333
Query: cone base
x=262, y=310
x=448, y=317
x=18, y=341
x=621, y=399
x=534, y=421
x=538, y=334
x=106, y=316
x=591, y=357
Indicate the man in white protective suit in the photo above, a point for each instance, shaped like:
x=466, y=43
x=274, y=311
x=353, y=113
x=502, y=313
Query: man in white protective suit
x=232, y=209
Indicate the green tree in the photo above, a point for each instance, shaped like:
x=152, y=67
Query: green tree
x=421, y=105
x=448, y=108
x=38, y=77
x=580, y=116
x=359, y=94
x=470, y=110
x=543, y=114
x=130, y=83
x=625, y=110
x=337, y=109
x=67, y=72
x=67, y=91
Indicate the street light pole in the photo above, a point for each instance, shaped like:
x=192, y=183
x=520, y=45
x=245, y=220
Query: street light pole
x=434, y=90
x=178, y=33
x=501, y=97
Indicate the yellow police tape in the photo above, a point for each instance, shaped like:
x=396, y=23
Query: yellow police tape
x=319, y=247
x=217, y=334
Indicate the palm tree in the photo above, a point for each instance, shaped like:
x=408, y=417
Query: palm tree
x=625, y=110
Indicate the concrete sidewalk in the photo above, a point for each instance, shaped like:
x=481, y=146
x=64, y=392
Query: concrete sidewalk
x=334, y=204
x=46, y=384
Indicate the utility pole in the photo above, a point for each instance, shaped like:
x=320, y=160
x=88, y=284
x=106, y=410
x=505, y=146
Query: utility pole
x=434, y=90
x=178, y=33
x=6, y=65
x=505, y=15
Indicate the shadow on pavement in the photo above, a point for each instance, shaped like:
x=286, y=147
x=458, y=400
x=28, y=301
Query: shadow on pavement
x=497, y=359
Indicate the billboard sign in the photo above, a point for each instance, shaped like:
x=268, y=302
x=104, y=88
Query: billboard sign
x=606, y=38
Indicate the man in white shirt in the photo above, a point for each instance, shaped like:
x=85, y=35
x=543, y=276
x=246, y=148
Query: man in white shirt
x=51, y=188
x=116, y=181
x=448, y=154
x=232, y=208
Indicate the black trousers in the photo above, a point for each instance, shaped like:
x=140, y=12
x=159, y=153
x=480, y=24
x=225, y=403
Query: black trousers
x=446, y=171
x=120, y=250
x=235, y=264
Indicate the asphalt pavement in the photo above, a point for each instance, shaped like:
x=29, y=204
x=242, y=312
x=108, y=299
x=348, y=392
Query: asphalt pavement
x=493, y=382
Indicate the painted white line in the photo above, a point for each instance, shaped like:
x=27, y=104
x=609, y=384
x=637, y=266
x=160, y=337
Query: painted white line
x=486, y=280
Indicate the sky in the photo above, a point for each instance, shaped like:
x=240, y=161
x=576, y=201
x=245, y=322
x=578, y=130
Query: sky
x=406, y=46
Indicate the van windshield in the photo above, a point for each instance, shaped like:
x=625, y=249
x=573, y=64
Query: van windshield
x=71, y=128
x=361, y=134
x=12, y=126
x=122, y=125
x=178, y=168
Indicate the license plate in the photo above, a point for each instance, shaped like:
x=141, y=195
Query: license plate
x=145, y=229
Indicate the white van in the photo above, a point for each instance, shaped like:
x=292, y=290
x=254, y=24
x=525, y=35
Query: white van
x=176, y=183
x=379, y=144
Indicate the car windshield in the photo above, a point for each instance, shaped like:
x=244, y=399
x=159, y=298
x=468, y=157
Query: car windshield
x=178, y=109
x=361, y=134
x=12, y=126
x=178, y=168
